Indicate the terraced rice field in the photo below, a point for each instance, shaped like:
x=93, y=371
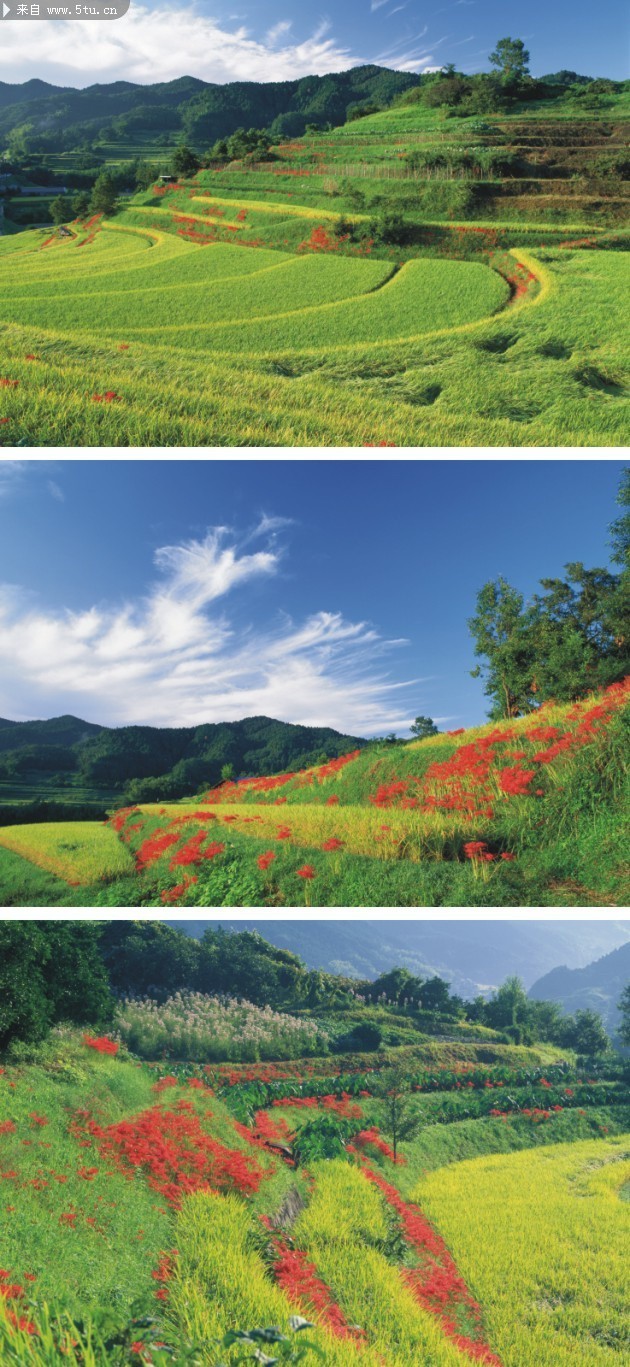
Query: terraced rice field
x=176, y=1203
x=534, y=1264
x=252, y=307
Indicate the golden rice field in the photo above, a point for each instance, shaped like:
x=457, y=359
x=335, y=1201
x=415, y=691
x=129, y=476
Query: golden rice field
x=80, y=852
x=543, y=1237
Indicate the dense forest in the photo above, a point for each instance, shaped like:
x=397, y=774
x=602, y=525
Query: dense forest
x=74, y=972
x=149, y=762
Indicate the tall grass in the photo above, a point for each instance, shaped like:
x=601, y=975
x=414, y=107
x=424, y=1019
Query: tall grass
x=191, y=1025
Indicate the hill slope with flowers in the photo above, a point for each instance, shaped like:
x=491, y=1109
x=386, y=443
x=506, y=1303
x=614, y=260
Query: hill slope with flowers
x=154, y=1214
x=527, y=812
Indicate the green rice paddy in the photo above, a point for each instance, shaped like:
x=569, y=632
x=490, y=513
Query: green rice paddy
x=253, y=308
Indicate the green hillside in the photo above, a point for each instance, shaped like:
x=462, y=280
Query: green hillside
x=526, y=812
x=420, y=276
x=65, y=763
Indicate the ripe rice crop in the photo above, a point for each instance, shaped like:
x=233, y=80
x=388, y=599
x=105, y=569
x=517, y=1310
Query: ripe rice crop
x=527, y=1230
x=80, y=852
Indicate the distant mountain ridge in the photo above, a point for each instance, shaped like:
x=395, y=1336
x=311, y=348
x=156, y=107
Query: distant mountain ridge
x=597, y=986
x=198, y=110
x=473, y=956
x=165, y=762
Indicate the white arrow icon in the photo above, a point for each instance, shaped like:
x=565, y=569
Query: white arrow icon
x=6, y=9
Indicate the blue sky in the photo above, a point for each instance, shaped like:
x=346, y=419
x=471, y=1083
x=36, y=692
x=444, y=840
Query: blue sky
x=281, y=39
x=336, y=593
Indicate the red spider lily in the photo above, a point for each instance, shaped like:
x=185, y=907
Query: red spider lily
x=8, y=384
x=475, y=849
x=372, y=1139
x=169, y=896
x=333, y=844
x=332, y=801
x=283, y=833
x=101, y=1044
x=8, y=1127
x=298, y=1278
x=192, y=852
x=387, y=793
x=154, y=846
x=437, y=1284
x=165, y=1082
x=515, y=782
x=264, y=860
x=176, y=1154
x=307, y=871
x=110, y=396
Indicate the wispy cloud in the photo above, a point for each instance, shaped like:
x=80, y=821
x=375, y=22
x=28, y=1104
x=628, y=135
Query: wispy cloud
x=12, y=475
x=174, y=657
x=167, y=42
x=55, y=491
x=279, y=30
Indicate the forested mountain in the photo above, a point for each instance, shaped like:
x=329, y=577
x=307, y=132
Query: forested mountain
x=472, y=956
x=151, y=761
x=597, y=987
x=60, y=119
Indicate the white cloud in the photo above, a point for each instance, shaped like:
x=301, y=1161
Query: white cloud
x=171, y=658
x=55, y=491
x=162, y=44
x=278, y=31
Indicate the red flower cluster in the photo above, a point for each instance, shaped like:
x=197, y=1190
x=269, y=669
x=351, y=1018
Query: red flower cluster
x=192, y=852
x=373, y=1140
x=264, y=860
x=175, y=1153
x=101, y=1044
x=298, y=1278
x=437, y=1284
x=170, y=896
x=13, y=1291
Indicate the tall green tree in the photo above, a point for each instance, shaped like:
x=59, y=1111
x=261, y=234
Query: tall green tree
x=60, y=209
x=511, y=59
x=104, y=192
x=585, y=1033
x=499, y=629
x=399, y=1119
x=185, y=162
x=624, y=1007
x=422, y=727
x=50, y=971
